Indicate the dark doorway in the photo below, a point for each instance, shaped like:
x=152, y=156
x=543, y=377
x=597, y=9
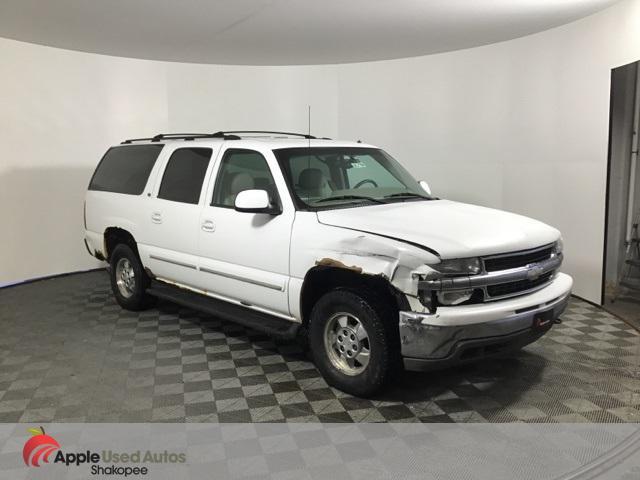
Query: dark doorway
x=621, y=272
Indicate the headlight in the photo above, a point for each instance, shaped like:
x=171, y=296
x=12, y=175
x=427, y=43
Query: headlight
x=558, y=246
x=459, y=266
x=456, y=266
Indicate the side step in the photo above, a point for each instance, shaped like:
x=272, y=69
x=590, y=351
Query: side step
x=262, y=322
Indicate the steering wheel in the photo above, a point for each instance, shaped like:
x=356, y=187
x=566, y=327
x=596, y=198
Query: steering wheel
x=366, y=180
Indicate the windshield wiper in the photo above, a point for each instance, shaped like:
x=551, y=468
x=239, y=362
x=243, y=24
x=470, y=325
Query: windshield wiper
x=407, y=195
x=349, y=197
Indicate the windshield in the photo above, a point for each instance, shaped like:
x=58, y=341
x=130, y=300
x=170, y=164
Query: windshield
x=326, y=177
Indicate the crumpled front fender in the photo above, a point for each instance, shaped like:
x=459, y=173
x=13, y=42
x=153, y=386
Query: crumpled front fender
x=402, y=264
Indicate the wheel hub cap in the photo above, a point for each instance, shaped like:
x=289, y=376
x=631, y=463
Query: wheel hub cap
x=125, y=277
x=347, y=343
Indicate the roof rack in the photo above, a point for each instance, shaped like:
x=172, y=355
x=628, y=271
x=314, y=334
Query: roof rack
x=269, y=132
x=231, y=135
x=178, y=136
x=182, y=136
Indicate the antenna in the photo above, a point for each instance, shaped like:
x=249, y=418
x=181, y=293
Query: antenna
x=309, y=124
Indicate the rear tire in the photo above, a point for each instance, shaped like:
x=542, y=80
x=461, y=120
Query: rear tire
x=129, y=281
x=354, y=341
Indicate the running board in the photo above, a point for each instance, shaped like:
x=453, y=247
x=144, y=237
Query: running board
x=262, y=322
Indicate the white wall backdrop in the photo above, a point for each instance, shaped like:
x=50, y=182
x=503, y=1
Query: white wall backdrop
x=207, y=97
x=521, y=125
x=59, y=110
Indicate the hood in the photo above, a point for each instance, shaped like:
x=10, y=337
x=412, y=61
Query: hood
x=452, y=229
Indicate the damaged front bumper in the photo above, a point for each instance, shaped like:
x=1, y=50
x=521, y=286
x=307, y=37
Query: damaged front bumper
x=454, y=335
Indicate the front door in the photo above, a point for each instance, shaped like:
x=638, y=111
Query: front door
x=244, y=257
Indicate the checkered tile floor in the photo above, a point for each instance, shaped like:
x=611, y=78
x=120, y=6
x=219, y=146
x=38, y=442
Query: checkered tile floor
x=68, y=353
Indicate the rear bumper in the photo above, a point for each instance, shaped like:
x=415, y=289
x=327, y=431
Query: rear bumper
x=455, y=335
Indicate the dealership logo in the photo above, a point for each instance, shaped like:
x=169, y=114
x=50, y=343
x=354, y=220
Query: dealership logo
x=39, y=447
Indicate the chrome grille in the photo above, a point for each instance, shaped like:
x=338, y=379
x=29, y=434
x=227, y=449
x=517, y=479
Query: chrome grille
x=506, y=261
x=511, y=288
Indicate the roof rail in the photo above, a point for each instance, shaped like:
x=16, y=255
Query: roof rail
x=181, y=136
x=269, y=132
x=177, y=136
x=230, y=135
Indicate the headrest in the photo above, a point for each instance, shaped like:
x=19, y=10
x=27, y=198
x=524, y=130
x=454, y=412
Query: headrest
x=311, y=179
x=240, y=181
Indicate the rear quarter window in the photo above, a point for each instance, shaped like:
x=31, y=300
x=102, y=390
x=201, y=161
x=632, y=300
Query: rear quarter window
x=125, y=169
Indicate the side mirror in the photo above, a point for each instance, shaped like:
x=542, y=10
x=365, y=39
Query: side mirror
x=425, y=186
x=255, y=201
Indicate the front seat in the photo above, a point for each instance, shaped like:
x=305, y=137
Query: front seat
x=313, y=183
x=237, y=182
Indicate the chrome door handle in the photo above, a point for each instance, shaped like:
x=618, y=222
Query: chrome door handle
x=208, y=226
x=156, y=217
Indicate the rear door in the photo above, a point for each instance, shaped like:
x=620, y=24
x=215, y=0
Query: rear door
x=119, y=192
x=244, y=257
x=173, y=216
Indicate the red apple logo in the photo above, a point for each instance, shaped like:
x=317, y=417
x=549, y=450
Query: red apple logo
x=39, y=447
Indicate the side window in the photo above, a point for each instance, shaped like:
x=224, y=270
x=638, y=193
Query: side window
x=242, y=170
x=125, y=169
x=184, y=175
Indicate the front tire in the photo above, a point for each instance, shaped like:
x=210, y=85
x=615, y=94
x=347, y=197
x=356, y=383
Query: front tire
x=129, y=281
x=354, y=341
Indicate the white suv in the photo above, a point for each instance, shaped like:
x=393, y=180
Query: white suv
x=328, y=241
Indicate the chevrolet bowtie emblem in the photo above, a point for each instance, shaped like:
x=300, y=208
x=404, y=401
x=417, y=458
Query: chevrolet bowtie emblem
x=534, y=272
